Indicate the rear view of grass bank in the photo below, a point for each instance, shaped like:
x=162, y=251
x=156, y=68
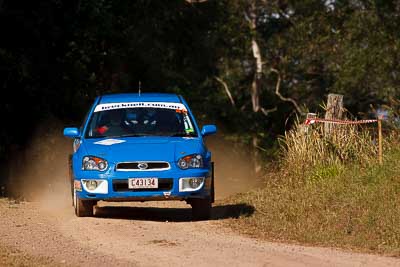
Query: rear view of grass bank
x=329, y=193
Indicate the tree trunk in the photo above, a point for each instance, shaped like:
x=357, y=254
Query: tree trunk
x=256, y=155
x=251, y=17
x=255, y=92
x=334, y=111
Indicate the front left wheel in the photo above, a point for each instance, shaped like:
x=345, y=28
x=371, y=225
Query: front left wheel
x=201, y=209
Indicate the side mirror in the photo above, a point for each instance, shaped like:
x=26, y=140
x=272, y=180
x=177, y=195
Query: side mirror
x=71, y=132
x=208, y=130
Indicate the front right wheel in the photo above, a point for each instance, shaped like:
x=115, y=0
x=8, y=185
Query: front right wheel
x=71, y=179
x=201, y=209
x=83, y=208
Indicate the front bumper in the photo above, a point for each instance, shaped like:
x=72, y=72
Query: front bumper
x=117, y=185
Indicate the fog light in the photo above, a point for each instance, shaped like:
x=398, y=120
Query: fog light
x=95, y=186
x=91, y=184
x=195, y=182
x=190, y=184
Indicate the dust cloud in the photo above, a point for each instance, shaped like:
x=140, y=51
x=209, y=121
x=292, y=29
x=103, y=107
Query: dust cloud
x=40, y=172
x=233, y=166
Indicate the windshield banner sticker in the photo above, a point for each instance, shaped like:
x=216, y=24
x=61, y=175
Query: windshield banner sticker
x=109, y=142
x=166, y=105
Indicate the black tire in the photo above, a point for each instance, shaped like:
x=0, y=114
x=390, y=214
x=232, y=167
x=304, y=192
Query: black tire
x=212, y=184
x=201, y=209
x=70, y=178
x=84, y=208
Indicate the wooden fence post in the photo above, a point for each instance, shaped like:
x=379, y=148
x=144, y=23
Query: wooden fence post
x=334, y=110
x=380, y=152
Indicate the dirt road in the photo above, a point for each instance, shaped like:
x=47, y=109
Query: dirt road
x=44, y=231
x=151, y=234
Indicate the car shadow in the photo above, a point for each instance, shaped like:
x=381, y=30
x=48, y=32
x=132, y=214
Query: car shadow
x=171, y=214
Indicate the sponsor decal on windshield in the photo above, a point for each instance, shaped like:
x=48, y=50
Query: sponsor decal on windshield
x=166, y=105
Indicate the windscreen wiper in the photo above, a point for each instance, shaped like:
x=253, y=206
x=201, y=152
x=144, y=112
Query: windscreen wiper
x=182, y=135
x=131, y=135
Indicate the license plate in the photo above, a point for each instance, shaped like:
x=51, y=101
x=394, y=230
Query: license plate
x=138, y=183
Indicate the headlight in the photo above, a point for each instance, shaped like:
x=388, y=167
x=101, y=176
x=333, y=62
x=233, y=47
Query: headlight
x=191, y=161
x=91, y=163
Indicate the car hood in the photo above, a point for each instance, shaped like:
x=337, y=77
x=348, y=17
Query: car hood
x=143, y=148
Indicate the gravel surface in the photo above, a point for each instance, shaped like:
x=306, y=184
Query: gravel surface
x=148, y=234
x=45, y=231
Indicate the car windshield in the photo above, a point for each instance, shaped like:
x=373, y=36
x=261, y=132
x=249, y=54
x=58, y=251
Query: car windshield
x=140, y=121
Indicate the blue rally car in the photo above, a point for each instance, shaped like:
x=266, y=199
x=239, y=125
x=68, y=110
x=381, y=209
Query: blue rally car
x=141, y=147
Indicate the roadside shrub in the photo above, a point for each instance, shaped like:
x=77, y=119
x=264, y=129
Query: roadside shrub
x=329, y=190
x=307, y=146
x=340, y=205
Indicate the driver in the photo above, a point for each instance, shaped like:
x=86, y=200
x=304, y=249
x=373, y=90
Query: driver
x=111, y=123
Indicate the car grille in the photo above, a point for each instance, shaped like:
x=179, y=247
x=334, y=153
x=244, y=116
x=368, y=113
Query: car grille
x=121, y=185
x=138, y=166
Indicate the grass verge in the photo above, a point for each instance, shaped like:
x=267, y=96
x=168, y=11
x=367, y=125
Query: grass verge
x=353, y=206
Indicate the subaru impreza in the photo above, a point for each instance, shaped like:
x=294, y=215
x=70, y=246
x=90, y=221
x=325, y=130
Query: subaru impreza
x=141, y=147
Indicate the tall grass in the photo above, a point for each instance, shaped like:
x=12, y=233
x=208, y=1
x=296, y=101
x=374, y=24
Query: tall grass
x=330, y=191
x=306, y=146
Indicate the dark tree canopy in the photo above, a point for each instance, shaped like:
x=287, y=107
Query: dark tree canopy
x=57, y=55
